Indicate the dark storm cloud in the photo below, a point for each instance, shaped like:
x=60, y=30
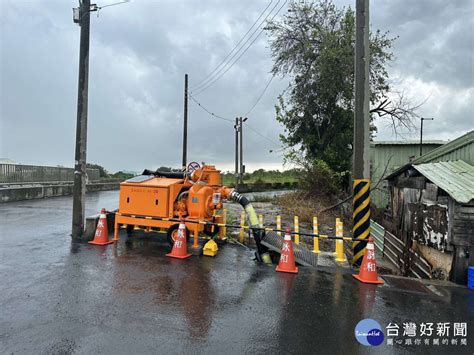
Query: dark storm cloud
x=435, y=38
x=140, y=52
x=433, y=59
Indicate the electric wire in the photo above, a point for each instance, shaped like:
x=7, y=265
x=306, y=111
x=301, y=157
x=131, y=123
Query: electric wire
x=200, y=90
x=115, y=3
x=261, y=135
x=260, y=96
x=209, y=112
x=227, y=62
x=206, y=78
x=232, y=121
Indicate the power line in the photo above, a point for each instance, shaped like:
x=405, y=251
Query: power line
x=241, y=54
x=261, y=135
x=219, y=75
x=232, y=121
x=209, y=112
x=260, y=96
x=199, y=83
x=229, y=60
x=115, y=3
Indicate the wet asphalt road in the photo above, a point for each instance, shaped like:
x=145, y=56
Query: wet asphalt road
x=58, y=297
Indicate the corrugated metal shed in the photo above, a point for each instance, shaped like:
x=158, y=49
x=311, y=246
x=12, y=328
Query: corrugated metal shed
x=387, y=156
x=407, y=142
x=461, y=148
x=454, y=177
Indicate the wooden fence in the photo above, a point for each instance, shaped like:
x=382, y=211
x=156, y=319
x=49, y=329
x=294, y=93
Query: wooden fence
x=399, y=255
x=14, y=173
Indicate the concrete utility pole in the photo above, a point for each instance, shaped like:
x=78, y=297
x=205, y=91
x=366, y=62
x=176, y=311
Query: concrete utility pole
x=78, y=206
x=185, y=127
x=241, y=131
x=362, y=116
x=361, y=167
x=236, y=127
x=242, y=166
x=421, y=132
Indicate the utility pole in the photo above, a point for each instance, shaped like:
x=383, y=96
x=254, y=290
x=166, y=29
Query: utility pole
x=236, y=127
x=242, y=166
x=421, y=132
x=185, y=127
x=241, y=131
x=361, y=167
x=83, y=18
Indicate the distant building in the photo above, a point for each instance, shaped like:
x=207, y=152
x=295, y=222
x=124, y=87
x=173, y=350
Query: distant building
x=388, y=156
x=431, y=208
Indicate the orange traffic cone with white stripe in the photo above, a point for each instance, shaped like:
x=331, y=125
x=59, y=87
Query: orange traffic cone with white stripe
x=368, y=269
x=287, y=257
x=101, y=236
x=180, y=247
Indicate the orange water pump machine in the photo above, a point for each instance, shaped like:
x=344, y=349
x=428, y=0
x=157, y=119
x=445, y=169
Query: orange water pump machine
x=147, y=201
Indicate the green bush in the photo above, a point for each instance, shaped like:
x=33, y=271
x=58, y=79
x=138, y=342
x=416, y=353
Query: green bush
x=319, y=179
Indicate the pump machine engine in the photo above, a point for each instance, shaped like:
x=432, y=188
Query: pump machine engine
x=155, y=198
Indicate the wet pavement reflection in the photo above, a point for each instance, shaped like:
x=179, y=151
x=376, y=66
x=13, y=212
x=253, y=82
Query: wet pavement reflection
x=64, y=297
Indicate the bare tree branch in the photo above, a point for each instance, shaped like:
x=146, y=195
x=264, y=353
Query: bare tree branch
x=400, y=112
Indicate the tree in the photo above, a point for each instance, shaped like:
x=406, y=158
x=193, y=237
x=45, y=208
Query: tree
x=314, y=44
x=102, y=172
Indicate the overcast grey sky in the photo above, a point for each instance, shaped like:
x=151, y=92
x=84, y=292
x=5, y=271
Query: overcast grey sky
x=141, y=50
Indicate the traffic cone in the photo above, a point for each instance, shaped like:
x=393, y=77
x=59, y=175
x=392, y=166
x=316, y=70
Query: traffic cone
x=101, y=236
x=287, y=258
x=180, y=247
x=368, y=270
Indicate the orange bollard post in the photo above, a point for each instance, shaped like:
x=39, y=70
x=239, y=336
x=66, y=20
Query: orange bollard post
x=279, y=225
x=315, y=239
x=242, y=225
x=339, y=253
x=297, y=229
x=223, y=230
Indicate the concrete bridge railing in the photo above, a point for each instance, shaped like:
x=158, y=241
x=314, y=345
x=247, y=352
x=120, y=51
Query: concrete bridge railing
x=16, y=173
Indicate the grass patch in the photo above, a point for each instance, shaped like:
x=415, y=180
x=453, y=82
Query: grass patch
x=307, y=206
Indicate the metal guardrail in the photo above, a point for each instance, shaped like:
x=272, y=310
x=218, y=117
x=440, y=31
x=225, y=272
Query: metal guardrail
x=16, y=173
x=378, y=232
x=236, y=226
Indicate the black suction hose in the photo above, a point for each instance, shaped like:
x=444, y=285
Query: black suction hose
x=167, y=174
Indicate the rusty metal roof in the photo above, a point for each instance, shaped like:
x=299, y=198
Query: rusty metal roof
x=454, y=177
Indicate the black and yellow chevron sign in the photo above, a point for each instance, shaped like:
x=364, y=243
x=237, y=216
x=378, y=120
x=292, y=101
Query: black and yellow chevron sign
x=361, y=217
